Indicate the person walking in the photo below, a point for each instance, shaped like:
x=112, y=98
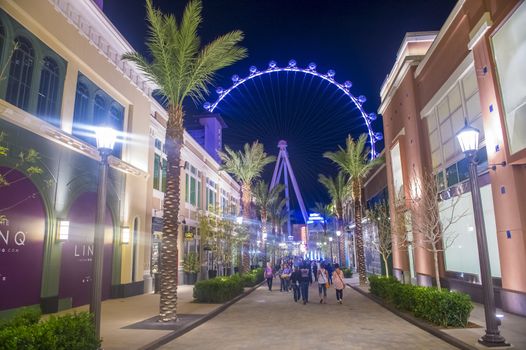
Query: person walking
x=323, y=284
x=295, y=280
x=314, y=267
x=339, y=284
x=305, y=282
x=329, y=269
x=269, y=275
x=285, y=276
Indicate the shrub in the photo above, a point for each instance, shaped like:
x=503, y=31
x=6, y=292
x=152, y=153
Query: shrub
x=68, y=332
x=440, y=307
x=219, y=289
x=253, y=277
x=347, y=272
x=23, y=317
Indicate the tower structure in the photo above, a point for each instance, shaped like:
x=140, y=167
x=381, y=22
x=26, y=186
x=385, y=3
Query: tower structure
x=284, y=168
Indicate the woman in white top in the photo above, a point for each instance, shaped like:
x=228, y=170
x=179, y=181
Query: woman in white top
x=323, y=281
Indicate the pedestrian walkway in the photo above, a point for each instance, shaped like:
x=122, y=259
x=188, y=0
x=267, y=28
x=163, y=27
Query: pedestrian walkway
x=120, y=313
x=266, y=320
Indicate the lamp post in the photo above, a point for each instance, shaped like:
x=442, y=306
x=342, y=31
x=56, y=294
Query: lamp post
x=105, y=141
x=338, y=234
x=468, y=138
x=330, y=246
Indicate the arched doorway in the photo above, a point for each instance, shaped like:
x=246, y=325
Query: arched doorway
x=22, y=231
x=77, y=252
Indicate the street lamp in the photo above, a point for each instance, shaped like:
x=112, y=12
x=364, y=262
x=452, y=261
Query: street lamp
x=105, y=137
x=468, y=139
x=338, y=234
x=330, y=245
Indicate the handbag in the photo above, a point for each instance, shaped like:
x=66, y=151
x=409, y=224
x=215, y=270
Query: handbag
x=327, y=285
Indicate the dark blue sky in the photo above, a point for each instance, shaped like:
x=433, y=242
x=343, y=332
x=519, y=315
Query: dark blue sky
x=358, y=39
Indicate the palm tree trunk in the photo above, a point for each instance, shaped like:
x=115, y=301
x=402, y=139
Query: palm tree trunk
x=341, y=239
x=264, y=233
x=356, y=188
x=169, y=253
x=245, y=246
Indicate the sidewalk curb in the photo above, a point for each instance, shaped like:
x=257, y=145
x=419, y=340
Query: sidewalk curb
x=175, y=334
x=420, y=324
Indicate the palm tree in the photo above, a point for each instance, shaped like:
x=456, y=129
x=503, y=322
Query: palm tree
x=246, y=167
x=339, y=191
x=355, y=162
x=325, y=212
x=265, y=198
x=181, y=69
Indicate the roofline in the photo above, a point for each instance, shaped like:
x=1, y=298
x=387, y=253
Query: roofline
x=441, y=33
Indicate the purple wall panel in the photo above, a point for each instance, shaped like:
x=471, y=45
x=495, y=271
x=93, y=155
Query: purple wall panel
x=22, y=230
x=77, y=252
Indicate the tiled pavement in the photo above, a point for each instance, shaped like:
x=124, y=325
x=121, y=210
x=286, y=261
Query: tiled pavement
x=266, y=319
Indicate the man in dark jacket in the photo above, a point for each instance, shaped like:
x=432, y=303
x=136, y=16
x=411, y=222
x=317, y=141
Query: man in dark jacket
x=305, y=282
x=295, y=280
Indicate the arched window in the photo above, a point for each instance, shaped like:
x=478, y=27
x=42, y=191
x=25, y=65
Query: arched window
x=2, y=40
x=99, y=110
x=20, y=73
x=80, y=114
x=47, y=107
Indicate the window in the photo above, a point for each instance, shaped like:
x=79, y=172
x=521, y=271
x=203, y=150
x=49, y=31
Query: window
x=452, y=175
x=211, y=195
x=158, y=144
x=163, y=172
x=509, y=48
x=80, y=114
x=99, y=110
x=193, y=186
x=2, y=39
x=47, y=107
x=156, y=171
x=20, y=74
x=94, y=107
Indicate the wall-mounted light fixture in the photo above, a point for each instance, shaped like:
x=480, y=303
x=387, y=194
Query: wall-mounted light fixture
x=62, y=230
x=125, y=235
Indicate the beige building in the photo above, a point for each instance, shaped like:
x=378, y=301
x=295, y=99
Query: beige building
x=64, y=78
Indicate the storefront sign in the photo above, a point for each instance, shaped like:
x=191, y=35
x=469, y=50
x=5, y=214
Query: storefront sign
x=22, y=229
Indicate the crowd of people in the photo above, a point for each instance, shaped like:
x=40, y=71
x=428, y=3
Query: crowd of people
x=298, y=274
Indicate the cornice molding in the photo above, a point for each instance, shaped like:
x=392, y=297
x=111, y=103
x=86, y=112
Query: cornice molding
x=91, y=23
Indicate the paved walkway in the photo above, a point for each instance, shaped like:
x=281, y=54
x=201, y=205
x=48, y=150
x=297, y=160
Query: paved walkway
x=266, y=320
x=119, y=313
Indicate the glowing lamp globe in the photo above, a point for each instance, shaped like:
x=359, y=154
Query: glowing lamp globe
x=331, y=73
x=468, y=138
x=272, y=64
x=207, y=105
x=338, y=233
x=219, y=90
x=253, y=69
x=292, y=63
x=235, y=78
x=362, y=99
x=105, y=137
x=372, y=116
x=312, y=66
x=347, y=84
x=378, y=136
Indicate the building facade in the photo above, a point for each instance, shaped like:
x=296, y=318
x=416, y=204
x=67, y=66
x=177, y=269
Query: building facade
x=64, y=78
x=468, y=72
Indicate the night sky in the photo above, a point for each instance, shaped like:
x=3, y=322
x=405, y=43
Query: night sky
x=358, y=39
